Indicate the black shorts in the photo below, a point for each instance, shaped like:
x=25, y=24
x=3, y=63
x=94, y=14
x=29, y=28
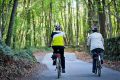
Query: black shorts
x=58, y=49
x=97, y=50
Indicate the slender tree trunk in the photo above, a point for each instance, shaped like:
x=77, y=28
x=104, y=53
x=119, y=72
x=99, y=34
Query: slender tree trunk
x=34, y=29
x=101, y=14
x=117, y=14
x=46, y=29
x=70, y=30
x=10, y=28
x=110, y=22
x=77, y=23
x=22, y=36
x=14, y=35
x=89, y=13
x=2, y=19
x=50, y=20
x=28, y=32
x=65, y=17
x=69, y=25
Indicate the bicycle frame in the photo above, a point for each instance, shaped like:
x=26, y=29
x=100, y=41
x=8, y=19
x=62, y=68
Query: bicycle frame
x=99, y=58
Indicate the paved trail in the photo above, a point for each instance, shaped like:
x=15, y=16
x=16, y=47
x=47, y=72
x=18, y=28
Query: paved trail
x=75, y=70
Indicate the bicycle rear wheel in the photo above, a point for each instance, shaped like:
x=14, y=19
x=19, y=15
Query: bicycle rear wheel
x=99, y=68
x=58, y=66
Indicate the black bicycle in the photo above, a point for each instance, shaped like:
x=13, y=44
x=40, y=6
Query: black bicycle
x=98, y=64
x=58, y=64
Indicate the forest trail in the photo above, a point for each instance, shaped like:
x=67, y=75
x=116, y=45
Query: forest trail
x=75, y=70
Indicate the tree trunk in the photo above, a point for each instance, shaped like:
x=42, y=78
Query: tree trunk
x=34, y=29
x=110, y=22
x=10, y=28
x=50, y=21
x=2, y=21
x=65, y=17
x=28, y=32
x=101, y=15
x=89, y=13
x=77, y=23
x=117, y=14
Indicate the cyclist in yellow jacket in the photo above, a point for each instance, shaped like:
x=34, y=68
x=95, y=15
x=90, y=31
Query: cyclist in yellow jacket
x=58, y=41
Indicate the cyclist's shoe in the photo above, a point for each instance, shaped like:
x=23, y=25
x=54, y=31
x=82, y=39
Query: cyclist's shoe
x=63, y=70
x=54, y=62
x=53, y=57
x=93, y=71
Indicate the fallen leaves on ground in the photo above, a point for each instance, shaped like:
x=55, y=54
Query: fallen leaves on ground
x=83, y=56
x=112, y=64
x=18, y=70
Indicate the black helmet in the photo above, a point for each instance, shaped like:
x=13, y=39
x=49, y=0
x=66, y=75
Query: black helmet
x=57, y=27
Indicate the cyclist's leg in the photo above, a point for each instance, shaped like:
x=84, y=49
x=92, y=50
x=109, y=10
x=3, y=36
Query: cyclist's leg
x=62, y=58
x=53, y=56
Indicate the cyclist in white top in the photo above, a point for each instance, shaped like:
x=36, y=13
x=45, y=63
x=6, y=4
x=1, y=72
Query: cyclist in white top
x=96, y=43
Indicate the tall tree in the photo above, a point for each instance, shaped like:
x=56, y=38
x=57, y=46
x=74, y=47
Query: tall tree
x=10, y=28
x=89, y=13
x=77, y=22
x=28, y=31
x=102, y=17
x=117, y=14
x=2, y=21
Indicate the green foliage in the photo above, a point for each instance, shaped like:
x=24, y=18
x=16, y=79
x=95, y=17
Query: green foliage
x=25, y=55
x=18, y=54
x=112, y=48
x=5, y=49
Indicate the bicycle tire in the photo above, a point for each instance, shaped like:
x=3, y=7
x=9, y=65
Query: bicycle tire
x=96, y=68
x=58, y=66
x=99, y=68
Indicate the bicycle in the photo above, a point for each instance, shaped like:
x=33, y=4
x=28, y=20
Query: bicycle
x=98, y=64
x=58, y=64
